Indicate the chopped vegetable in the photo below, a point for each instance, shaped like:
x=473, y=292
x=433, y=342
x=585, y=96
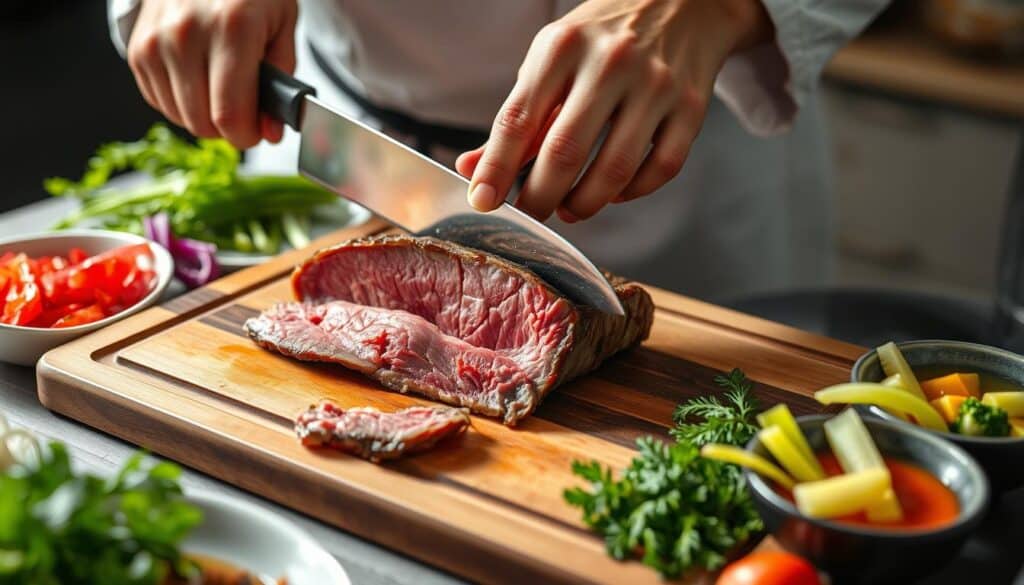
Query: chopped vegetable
x=885, y=397
x=779, y=415
x=842, y=494
x=957, y=384
x=769, y=568
x=58, y=526
x=856, y=451
x=891, y=358
x=753, y=461
x=1017, y=427
x=52, y=291
x=200, y=189
x=948, y=407
x=675, y=508
x=195, y=262
x=981, y=420
x=731, y=422
x=1011, y=402
x=788, y=455
x=895, y=381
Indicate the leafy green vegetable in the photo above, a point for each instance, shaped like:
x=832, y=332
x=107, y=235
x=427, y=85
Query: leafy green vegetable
x=62, y=528
x=199, y=186
x=981, y=420
x=730, y=423
x=672, y=508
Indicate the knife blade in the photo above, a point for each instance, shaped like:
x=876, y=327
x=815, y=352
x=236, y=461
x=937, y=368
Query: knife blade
x=420, y=195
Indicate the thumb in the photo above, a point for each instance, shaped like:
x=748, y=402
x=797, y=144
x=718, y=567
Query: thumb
x=467, y=161
x=280, y=53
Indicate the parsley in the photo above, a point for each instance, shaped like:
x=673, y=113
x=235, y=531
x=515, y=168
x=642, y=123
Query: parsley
x=62, y=528
x=672, y=508
x=730, y=423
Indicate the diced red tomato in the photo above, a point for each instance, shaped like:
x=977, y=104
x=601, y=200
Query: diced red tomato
x=52, y=291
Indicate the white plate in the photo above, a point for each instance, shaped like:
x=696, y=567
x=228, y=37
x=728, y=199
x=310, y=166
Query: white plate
x=259, y=541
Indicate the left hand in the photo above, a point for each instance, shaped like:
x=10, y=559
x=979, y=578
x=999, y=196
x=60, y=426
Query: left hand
x=645, y=68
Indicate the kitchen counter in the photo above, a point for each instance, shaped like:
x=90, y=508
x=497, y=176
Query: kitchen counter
x=905, y=61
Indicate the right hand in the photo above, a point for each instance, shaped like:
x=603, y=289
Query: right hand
x=197, y=62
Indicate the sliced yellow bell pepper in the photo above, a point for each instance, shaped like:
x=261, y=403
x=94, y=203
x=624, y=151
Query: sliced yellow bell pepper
x=1011, y=402
x=893, y=363
x=752, y=461
x=1017, y=427
x=885, y=397
x=948, y=406
x=843, y=494
x=788, y=455
x=895, y=381
x=780, y=416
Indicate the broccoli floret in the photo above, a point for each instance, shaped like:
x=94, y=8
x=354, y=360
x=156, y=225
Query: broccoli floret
x=981, y=420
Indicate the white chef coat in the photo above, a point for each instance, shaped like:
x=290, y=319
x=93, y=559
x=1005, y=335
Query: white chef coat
x=752, y=209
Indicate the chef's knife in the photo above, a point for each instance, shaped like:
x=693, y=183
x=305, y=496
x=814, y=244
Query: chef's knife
x=421, y=195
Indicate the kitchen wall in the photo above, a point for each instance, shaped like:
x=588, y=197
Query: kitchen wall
x=922, y=192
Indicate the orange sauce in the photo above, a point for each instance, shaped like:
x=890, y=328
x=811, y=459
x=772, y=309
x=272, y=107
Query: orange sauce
x=926, y=503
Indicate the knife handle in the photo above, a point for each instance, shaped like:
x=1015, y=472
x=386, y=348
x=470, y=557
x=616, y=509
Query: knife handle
x=281, y=95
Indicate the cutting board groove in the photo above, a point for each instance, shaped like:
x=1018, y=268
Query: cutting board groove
x=184, y=381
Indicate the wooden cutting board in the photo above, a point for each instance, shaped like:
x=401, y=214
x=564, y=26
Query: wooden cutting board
x=184, y=381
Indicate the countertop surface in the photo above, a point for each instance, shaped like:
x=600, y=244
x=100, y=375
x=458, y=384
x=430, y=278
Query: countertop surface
x=996, y=555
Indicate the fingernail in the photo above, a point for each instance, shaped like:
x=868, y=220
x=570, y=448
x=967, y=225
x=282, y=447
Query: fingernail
x=567, y=216
x=483, y=197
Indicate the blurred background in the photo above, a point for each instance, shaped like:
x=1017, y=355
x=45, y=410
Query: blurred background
x=925, y=113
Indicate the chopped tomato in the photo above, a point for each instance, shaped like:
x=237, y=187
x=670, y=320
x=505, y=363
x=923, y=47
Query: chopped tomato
x=81, y=317
x=52, y=291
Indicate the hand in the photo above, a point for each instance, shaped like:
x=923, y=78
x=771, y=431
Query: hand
x=197, y=61
x=645, y=68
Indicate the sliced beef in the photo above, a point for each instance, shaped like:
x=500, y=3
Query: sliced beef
x=375, y=435
x=456, y=324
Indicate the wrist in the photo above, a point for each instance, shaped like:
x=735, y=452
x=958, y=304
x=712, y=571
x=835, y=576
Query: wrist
x=749, y=23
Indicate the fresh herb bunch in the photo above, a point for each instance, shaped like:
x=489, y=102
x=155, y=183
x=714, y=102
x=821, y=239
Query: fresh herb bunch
x=671, y=507
x=62, y=528
x=200, y=188
x=731, y=422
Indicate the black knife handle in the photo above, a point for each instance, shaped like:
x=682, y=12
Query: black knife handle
x=281, y=95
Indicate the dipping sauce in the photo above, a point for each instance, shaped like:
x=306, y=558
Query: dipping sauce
x=926, y=503
x=217, y=572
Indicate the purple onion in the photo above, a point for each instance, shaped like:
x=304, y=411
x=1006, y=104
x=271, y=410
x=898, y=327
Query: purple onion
x=195, y=262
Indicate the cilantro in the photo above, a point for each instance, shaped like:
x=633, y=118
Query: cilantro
x=62, y=528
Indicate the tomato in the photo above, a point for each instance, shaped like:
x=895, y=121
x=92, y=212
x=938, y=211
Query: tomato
x=76, y=256
x=24, y=304
x=81, y=317
x=769, y=568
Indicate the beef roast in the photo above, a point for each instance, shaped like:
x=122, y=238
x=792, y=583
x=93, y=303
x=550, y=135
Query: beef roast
x=452, y=323
x=375, y=435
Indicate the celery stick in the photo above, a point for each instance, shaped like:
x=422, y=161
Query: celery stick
x=294, y=231
x=843, y=494
x=885, y=397
x=779, y=415
x=752, y=461
x=1011, y=402
x=259, y=236
x=788, y=455
x=895, y=381
x=856, y=451
x=240, y=238
x=893, y=363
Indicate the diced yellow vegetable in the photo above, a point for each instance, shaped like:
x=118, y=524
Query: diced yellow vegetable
x=843, y=494
x=788, y=455
x=1017, y=427
x=1011, y=402
x=779, y=415
x=856, y=451
x=885, y=397
x=948, y=406
x=952, y=385
x=743, y=458
x=895, y=381
x=893, y=363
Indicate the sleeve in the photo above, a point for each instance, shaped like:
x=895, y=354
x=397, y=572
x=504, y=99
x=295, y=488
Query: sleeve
x=765, y=86
x=121, y=15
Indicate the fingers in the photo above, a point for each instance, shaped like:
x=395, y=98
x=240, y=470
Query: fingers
x=146, y=63
x=541, y=85
x=666, y=158
x=234, y=73
x=467, y=161
x=281, y=54
x=616, y=163
x=187, y=73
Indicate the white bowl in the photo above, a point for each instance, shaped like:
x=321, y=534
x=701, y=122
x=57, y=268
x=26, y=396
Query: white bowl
x=24, y=345
x=259, y=541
